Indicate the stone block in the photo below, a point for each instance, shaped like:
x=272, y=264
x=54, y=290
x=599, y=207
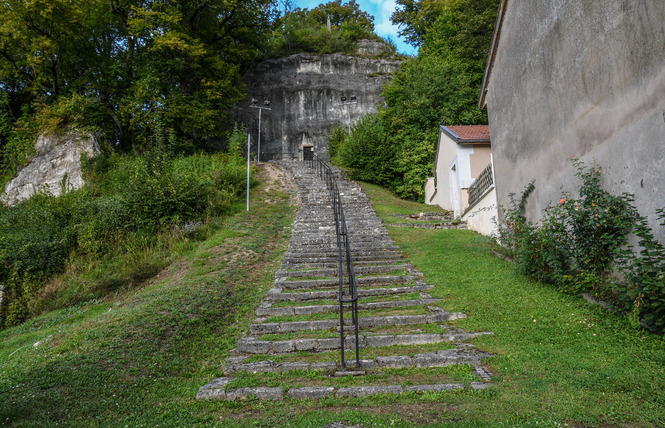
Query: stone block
x=253, y=346
x=214, y=389
x=285, y=367
x=311, y=393
x=283, y=346
x=325, y=366
x=395, y=362
x=260, y=393
x=267, y=328
x=436, y=387
x=364, y=391
x=327, y=344
x=306, y=344
x=368, y=364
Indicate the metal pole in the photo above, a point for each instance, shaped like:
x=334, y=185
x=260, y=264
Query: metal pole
x=258, y=158
x=248, y=137
x=348, y=114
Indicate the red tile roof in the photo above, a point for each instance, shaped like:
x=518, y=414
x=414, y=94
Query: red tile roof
x=469, y=132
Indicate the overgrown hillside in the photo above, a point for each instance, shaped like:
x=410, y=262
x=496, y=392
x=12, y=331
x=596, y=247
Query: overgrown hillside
x=122, y=228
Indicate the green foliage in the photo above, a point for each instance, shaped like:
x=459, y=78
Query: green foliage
x=582, y=241
x=303, y=30
x=122, y=65
x=237, y=141
x=644, y=294
x=438, y=87
x=336, y=137
x=367, y=152
x=127, y=197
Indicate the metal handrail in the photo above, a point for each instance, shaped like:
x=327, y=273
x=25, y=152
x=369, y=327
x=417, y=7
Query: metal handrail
x=344, y=253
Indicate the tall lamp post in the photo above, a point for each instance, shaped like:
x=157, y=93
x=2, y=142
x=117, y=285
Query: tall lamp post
x=347, y=104
x=265, y=106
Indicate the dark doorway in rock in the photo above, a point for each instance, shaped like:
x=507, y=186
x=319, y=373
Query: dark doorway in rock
x=308, y=153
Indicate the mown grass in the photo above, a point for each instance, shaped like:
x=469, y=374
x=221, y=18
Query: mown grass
x=386, y=204
x=138, y=358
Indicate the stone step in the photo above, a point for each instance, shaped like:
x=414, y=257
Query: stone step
x=442, y=358
x=360, y=255
x=250, y=344
x=319, y=309
x=286, y=266
x=275, y=294
x=215, y=390
x=359, y=270
x=363, y=322
x=334, y=282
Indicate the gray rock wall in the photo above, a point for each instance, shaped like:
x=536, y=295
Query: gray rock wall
x=583, y=78
x=305, y=91
x=56, y=163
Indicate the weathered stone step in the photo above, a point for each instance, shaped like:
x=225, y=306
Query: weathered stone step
x=334, y=282
x=442, y=358
x=315, y=265
x=250, y=344
x=275, y=294
x=331, y=240
x=359, y=255
x=359, y=270
x=319, y=309
x=363, y=322
x=215, y=390
x=358, y=248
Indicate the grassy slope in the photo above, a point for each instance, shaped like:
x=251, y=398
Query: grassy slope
x=558, y=357
x=139, y=357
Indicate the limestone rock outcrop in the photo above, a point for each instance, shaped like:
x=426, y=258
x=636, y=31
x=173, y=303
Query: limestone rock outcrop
x=305, y=93
x=55, y=167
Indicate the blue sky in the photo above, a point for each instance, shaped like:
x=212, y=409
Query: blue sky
x=381, y=10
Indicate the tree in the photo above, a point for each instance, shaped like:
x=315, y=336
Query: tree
x=439, y=86
x=133, y=62
x=304, y=30
x=341, y=13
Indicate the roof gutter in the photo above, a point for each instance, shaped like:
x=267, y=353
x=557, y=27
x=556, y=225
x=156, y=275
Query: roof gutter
x=482, y=101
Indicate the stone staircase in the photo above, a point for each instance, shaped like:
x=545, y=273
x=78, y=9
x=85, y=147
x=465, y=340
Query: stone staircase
x=296, y=339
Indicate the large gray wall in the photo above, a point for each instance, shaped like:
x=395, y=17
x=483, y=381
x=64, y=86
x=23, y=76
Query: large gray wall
x=583, y=78
x=305, y=92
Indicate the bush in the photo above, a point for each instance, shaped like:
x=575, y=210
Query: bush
x=582, y=241
x=367, y=152
x=152, y=197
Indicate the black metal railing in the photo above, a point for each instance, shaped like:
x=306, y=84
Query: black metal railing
x=480, y=184
x=348, y=294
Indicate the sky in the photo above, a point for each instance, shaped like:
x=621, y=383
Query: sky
x=381, y=10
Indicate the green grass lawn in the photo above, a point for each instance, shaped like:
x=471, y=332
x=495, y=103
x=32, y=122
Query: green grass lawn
x=137, y=358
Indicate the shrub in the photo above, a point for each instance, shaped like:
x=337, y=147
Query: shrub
x=367, y=152
x=582, y=241
x=130, y=203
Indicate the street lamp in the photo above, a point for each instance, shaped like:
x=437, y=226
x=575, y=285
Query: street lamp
x=265, y=106
x=347, y=104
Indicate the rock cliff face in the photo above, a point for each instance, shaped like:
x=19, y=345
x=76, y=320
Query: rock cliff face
x=305, y=94
x=57, y=164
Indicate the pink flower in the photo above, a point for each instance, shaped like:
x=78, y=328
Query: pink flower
x=561, y=201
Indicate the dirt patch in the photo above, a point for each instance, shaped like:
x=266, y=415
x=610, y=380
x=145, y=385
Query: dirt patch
x=276, y=179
